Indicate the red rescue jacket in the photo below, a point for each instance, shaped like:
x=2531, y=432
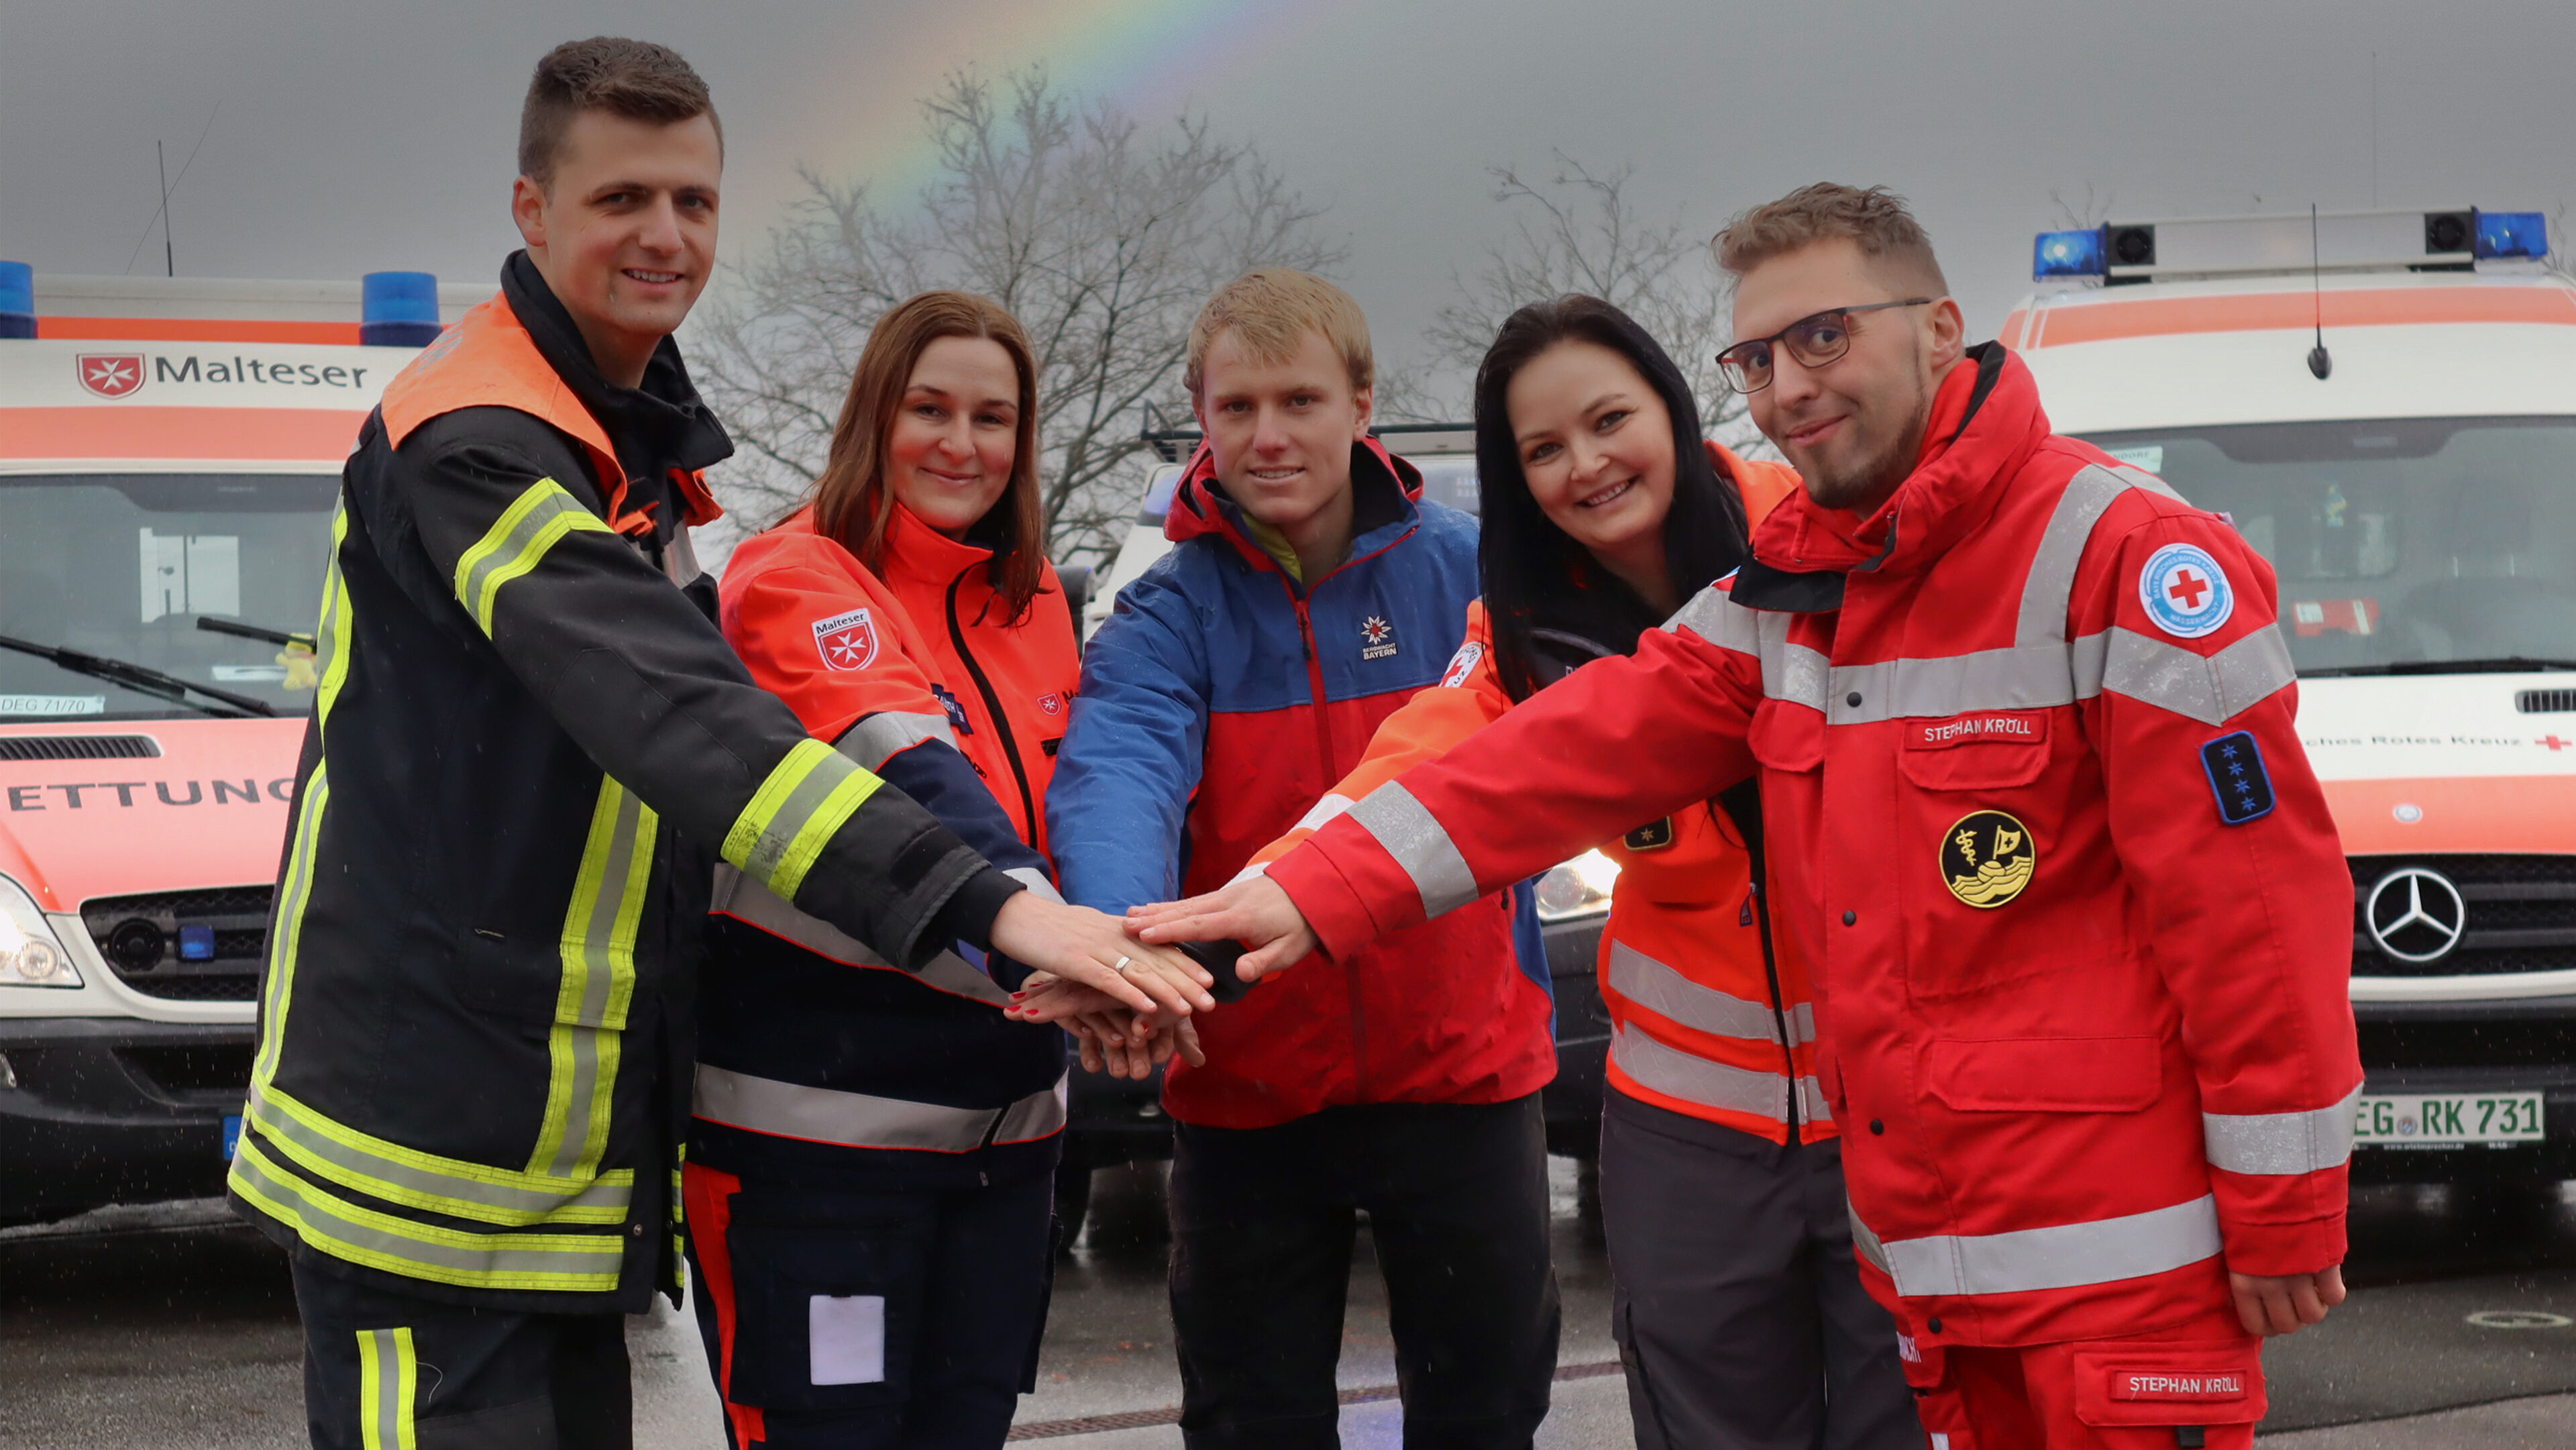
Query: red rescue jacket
x=2041, y=820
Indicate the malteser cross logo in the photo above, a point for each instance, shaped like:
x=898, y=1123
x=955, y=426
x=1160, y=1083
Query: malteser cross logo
x=111, y=374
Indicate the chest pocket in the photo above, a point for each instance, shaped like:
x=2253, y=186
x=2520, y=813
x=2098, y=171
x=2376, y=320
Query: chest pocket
x=1787, y=737
x=1983, y=750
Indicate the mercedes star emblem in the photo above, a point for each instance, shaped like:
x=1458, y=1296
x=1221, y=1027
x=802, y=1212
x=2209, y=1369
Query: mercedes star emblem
x=2415, y=914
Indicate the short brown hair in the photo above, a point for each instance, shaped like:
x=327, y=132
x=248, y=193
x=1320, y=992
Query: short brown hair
x=852, y=505
x=1269, y=309
x=632, y=78
x=1874, y=218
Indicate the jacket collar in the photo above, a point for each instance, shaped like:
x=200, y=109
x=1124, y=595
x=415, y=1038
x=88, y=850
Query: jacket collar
x=1985, y=422
x=1384, y=493
x=656, y=428
x=918, y=553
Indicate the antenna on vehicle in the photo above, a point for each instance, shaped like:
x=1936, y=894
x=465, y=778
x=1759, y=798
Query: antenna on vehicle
x=169, y=257
x=2320, y=362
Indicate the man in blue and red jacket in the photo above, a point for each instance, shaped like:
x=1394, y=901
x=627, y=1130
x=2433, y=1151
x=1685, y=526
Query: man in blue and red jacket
x=1308, y=595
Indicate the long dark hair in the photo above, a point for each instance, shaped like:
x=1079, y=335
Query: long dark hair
x=1543, y=591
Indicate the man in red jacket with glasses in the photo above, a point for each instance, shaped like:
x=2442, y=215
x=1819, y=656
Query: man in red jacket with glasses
x=2025, y=732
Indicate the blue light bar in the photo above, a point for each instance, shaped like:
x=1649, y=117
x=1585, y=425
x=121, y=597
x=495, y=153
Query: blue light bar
x=2512, y=234
x=399, y=309
x=2067, y=254
x=17, y=300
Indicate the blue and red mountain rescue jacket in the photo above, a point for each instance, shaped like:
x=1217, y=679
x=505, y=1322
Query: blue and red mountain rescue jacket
x=1219, y=703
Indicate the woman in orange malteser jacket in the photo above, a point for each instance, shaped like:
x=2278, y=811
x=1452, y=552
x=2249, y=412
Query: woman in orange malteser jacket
x=871, y=1153
x=1739, y=1312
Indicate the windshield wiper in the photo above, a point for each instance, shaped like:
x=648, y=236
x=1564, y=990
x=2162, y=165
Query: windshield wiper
x=212, y=625
x=2498, y=665
x=141, y=680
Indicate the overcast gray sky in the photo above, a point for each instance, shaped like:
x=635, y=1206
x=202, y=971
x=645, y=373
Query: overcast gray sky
x=350, y=137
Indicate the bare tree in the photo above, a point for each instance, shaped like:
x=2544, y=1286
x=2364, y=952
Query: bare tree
x=1580, y=231
x=1100, y=234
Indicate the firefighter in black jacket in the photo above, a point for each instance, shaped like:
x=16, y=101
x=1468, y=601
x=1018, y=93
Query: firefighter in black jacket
x=529, y=746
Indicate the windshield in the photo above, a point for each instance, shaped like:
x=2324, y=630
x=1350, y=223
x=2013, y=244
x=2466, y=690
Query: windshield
x=2412, y=541
x=122, y=564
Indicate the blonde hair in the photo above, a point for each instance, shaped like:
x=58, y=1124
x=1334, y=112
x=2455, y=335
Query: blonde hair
x=1874, y=218
x=852, y=505
x=1269, y=310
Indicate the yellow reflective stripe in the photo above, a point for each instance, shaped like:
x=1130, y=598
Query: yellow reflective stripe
x=331, y=635
x=385, y=1400
x=517, y=540
x=344, y=1156
x=295, y=889
x=598, y=986
x=573, y=1263
x=795, y=813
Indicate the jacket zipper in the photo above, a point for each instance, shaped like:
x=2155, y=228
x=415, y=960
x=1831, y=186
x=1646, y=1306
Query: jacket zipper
x=993, y=707
x=1324, y=755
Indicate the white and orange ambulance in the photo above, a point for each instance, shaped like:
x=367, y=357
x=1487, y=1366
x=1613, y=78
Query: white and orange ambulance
x=2384, y=404
x=170, y=454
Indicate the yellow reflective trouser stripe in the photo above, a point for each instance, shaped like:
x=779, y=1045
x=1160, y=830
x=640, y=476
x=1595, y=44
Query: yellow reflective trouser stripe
x=576, y=1263
x=795, y=813
x=342, y=1155
x=517, y=540
x=331, y=634
x=295, y=888
x=388, y=1381
x=598, y=983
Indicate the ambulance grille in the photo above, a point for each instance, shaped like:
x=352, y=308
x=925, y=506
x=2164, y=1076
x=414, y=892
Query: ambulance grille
x=79, y=747
x=2545, y=702
x=140, y=937
x=2520, y=915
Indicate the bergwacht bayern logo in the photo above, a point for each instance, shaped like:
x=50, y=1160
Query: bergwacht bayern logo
x=2185, y=592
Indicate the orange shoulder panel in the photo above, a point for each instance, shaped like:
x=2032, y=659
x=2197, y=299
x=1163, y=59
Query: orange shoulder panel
x=822, y=633
x=1762, y=484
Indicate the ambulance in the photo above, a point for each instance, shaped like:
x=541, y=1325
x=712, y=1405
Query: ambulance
x=2384, y=405
x=170, y=453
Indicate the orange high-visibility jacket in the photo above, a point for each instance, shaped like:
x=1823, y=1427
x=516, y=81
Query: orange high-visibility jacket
x=2080, y=923
x=1703, y=1020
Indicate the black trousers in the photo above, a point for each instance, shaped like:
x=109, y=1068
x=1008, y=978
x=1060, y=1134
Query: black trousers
x=903, y=1318
x=1740, y=1317
x=386, y=1369
x=1262, y=1225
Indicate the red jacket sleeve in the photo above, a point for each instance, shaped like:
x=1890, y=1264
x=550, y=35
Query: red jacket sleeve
x=2223, y=834
x=1617, y=742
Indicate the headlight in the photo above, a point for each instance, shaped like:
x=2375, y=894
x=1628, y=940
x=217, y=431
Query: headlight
x=1580, y=887
x=30, y=954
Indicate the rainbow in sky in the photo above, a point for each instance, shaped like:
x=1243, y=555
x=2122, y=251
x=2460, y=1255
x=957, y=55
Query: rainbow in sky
x=1145, y=56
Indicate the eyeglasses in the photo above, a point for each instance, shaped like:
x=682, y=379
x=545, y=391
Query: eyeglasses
x=1814, y=340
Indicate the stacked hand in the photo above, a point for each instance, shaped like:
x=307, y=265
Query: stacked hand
x=1126, y=1003
x=1252, y=910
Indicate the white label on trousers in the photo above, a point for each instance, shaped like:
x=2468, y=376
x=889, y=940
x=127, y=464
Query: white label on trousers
x=1940, y=1441
x=845, y=1339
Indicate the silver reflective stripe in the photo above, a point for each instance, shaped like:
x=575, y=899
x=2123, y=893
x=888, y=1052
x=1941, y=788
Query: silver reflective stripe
x=1323, y=811
x=881, y=736
x=2207, y=688
x=388, y=1384
x=745, y=899
x=1039, y=1115
x=2281, y=1142
x=1415, y=838
x=581, y=1262
x=1037, y=883
x=861, y=1120
x=461, y=1191
x=1695, y=1079
x=1713, y=615
x=1797, y=674
x=2050, y=584
x=1811, y=1095
x=1864, y=1242
x=1667, y=993
x=680, y=559
x=2065, y=1256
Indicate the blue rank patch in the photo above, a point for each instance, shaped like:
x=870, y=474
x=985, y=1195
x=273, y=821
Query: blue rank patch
x=2237, y=776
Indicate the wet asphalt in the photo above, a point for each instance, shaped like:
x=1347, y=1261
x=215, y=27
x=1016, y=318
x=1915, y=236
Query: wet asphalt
x=162, y=1327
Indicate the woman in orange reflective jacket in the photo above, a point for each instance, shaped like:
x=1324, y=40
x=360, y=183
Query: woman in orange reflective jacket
x=1738, y=1310
x=871, y=1151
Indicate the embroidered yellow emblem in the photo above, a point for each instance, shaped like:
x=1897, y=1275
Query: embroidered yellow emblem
x=1987, y=858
